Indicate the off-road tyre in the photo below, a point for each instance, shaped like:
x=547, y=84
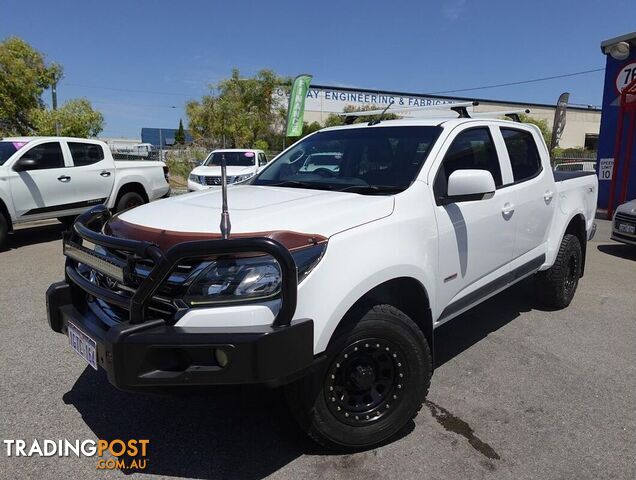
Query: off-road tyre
x=555, y=287
x=382, y=365
x=4, y=231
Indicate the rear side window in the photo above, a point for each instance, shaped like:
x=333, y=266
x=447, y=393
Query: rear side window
x=46, y=155
x=523, y=153
x=85, y=153
x=471, y=149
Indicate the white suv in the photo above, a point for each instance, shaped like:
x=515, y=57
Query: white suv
x=241, y=165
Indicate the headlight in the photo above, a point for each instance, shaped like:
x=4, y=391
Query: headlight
x=242, y=178
x=240, y=279
x=197, y=179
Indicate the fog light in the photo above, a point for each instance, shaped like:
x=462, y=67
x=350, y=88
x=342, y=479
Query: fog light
x=221, y=357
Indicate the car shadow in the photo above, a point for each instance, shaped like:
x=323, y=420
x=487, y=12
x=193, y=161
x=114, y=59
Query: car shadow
x=462, y=332
x=620, y=250
x=24, y=236
x=245, y=432
x=242, y=432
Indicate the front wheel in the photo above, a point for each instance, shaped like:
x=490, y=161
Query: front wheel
x=376, y=380
x=4, y=231
x=556, y=286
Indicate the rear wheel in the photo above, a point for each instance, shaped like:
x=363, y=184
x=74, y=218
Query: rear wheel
x=4, y=231
x=377, y=377
x=556, y=286
x=129, y=200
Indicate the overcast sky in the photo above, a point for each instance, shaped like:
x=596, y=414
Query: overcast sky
x=136, y=60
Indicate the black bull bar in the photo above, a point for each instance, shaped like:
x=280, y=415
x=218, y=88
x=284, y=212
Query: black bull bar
x=88, y=227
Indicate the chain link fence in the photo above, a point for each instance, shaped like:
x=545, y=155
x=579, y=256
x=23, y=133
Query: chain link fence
x=579, y=161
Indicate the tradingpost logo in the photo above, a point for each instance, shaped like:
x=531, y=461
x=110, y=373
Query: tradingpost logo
x=111, y=454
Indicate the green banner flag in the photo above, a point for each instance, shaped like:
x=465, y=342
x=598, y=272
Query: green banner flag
x=296, y=108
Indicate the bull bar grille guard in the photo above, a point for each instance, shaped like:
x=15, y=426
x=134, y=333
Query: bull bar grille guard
x=88, y=226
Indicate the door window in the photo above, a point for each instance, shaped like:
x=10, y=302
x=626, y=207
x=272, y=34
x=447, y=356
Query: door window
x=85, y=153
x=262, y=160
x=471, y=149
x=523, y=153
x=46, y=155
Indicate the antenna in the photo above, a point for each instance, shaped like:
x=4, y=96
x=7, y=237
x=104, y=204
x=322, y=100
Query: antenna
x=226, y=226
x=378, y=120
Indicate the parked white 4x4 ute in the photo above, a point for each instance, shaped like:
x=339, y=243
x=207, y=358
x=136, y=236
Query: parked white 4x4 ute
x=61, y=177
x=332, y=282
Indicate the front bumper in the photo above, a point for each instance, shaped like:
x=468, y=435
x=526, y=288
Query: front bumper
x=141, y=349
x=155, y=354
x=195, y=187
x=623, y=237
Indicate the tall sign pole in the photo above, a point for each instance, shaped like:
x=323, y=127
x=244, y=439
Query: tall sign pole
x=296, y=108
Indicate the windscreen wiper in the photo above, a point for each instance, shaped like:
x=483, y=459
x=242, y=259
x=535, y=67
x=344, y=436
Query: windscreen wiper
x=371, y=189
x=299, y=184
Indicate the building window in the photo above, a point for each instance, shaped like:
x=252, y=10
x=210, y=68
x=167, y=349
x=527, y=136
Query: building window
x=591, y=141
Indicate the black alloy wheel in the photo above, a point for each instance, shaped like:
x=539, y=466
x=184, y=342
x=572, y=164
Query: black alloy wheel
x=364, y=381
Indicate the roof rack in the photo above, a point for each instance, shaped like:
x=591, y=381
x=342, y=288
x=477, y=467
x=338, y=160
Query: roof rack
x=511, y=114
x=459, y=107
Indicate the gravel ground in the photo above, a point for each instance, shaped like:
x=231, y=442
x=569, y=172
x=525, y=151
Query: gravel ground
x=518, y=392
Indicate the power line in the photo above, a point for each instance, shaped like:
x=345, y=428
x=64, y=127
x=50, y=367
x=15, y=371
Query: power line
x=484, y=87
x=129, y=90
x=543, y=79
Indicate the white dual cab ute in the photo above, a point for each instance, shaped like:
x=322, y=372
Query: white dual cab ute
x=61, y=177
x=241, y=164
x=331, y=283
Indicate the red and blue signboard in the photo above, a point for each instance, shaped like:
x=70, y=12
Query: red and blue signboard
x=616, y=166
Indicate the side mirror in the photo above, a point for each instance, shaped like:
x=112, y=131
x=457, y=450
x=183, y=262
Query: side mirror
x=466, y=185
x=24, y=164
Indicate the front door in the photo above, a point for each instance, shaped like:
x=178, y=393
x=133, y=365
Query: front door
x=476, y=237
x=46, y=189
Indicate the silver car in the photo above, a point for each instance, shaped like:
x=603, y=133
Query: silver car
x=624, y=223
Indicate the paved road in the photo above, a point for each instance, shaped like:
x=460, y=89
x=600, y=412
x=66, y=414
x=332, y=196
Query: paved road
x=518, y=392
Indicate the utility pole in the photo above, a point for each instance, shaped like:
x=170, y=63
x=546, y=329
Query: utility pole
x=54, y=103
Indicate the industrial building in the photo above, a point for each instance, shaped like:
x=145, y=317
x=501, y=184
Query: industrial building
x=581, y=130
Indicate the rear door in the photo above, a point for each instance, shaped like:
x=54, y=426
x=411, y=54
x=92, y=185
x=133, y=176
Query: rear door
x=476, y=238
x=46, y=189
x=533, y=191
x=93, y=172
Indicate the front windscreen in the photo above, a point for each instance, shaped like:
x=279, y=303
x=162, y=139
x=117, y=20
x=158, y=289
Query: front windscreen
x=383, y=159
x=232, y=159
x=8, y=148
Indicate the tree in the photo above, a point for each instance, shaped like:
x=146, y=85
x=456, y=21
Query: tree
x=76, y=119
x=546, y=131
x=237, y=111
x=24, y=75
x=335, y=119
x=179, y=137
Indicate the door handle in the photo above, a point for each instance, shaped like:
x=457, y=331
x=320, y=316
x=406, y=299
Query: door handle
x=105, y=173
x=547, y=196
x=508, y=209
x=64, y=178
